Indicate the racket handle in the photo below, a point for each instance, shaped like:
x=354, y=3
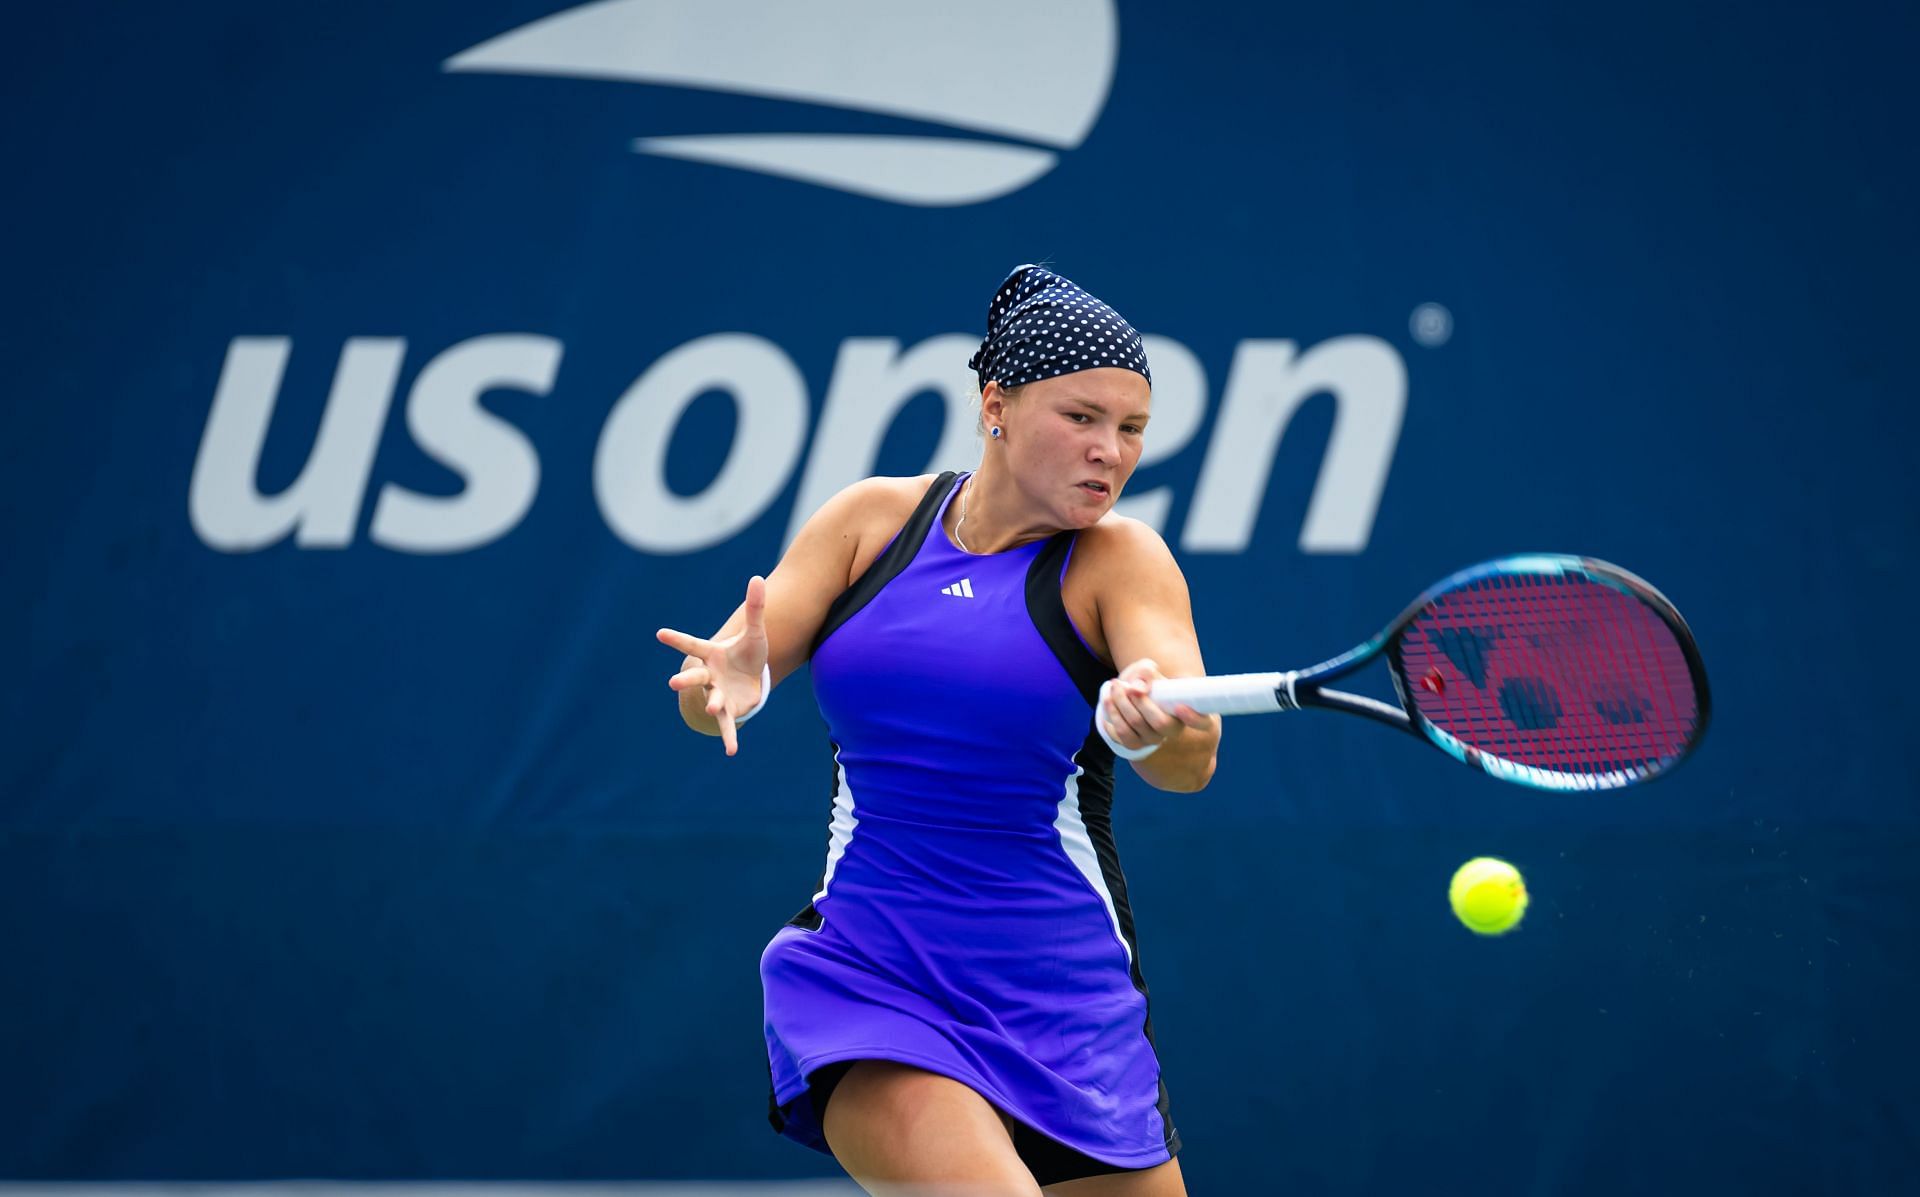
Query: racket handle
x=1229, y=694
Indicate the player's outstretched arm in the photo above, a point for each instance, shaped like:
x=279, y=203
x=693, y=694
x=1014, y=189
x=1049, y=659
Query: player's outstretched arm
x=1146, y=617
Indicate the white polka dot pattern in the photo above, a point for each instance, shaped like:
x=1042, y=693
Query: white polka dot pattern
x=1041, y=325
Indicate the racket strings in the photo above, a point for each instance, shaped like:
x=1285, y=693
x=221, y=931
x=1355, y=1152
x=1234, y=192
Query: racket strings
x=1558, y=673
x=1625, y=683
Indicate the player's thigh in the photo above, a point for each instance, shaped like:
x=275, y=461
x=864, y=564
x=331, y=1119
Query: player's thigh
x=1163, y=1180
x=894, y=1125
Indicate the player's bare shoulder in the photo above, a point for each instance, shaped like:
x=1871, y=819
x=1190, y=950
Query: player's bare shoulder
x=902, y=494
x=883, y=505
x=1118, y=563
x=870, y=513
x=864, y=505
x=1121, y=546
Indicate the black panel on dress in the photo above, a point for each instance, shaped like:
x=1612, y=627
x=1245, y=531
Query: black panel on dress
x=1096, y=811
x=1049, y=616
x=888, y=566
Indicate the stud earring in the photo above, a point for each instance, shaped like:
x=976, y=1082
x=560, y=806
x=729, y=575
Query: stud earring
x=994, y=432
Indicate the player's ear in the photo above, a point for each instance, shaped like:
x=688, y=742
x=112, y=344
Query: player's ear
x=994, y=400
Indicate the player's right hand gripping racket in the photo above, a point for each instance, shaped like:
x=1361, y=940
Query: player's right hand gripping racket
x=1562, y=673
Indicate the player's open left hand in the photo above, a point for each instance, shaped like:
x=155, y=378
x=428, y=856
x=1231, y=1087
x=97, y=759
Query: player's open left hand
x=727, y=671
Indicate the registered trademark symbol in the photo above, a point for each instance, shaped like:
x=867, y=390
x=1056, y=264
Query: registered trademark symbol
x=1431, y=324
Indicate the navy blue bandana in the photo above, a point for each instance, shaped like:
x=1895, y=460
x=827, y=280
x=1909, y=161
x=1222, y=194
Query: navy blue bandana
x=1042, y=326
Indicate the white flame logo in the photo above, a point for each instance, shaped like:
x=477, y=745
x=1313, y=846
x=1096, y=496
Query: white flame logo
x=1031, y=72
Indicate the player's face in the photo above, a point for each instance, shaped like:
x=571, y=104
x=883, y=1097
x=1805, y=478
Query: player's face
x=1071, y=442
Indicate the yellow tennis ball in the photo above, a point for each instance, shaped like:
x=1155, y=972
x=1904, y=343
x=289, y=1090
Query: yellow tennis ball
x=1488, y=896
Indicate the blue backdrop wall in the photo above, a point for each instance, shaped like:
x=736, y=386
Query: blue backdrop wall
x=381, y=378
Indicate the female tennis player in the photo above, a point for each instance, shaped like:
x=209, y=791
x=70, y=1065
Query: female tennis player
x=960, y=1007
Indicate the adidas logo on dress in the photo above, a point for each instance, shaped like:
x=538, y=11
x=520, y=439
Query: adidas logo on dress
x=961, y=589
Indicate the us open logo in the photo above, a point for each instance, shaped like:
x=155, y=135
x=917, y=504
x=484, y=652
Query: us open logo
x=943, y=64
x=931, y=64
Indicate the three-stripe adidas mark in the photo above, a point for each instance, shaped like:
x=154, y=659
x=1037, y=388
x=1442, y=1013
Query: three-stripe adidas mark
x=961, y=589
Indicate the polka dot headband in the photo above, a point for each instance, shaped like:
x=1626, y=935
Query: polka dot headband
x=1040, y=325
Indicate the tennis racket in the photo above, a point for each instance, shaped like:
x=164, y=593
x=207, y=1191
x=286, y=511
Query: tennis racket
x=1561, y=673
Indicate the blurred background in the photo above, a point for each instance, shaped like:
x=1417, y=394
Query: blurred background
x=383, y=375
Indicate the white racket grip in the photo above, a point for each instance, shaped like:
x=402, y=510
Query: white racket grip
x=1228, y=694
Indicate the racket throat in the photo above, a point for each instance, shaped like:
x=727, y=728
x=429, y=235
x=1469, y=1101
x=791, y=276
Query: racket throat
x=1305, y=694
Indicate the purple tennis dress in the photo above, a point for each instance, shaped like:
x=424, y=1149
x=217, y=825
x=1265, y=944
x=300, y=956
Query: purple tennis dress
x=972, y=919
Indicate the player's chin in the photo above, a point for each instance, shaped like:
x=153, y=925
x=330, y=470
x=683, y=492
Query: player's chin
x=1090, y=503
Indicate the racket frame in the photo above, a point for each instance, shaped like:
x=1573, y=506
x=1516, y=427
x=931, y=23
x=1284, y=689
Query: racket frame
x=1304, y=688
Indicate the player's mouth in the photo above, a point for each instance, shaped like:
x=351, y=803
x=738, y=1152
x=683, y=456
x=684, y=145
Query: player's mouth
x=1096, y=488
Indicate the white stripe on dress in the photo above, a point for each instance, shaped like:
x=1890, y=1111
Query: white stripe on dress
x=840, y=830
x=1079, y=848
